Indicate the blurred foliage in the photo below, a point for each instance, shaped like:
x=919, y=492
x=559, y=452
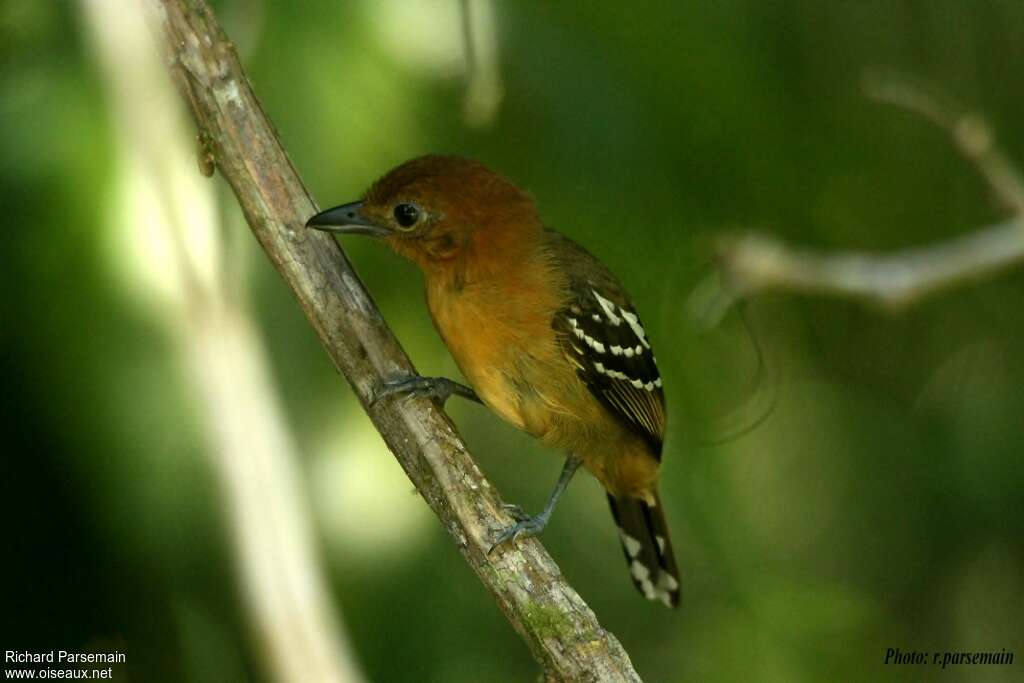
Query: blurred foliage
x=880, y=505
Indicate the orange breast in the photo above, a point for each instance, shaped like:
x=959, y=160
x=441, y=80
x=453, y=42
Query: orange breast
x=487, y=342
x=501, y=337
x=499, y=333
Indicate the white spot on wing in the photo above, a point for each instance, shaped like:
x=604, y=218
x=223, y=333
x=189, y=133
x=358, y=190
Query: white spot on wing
x=634, y=324
x=609, y=309
x=615, y=374
x=593, y=343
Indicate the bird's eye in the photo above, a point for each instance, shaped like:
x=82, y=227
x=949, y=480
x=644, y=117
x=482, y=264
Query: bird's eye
x=407, y=214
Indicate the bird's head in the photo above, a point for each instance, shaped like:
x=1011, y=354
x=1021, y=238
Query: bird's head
x=441, y=212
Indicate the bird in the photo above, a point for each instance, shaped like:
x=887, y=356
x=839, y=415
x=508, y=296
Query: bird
x=545, y=334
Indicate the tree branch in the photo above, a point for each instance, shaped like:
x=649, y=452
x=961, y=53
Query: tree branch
x=557, y=625
x=758, y=263
x=212, y=335
x=754, y=263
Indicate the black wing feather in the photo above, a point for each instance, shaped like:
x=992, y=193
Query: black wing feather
x=603, y=337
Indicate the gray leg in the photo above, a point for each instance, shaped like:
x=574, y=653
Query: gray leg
x=440, y=388
x=533, y=526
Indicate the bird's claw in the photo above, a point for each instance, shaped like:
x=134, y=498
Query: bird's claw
x=516, y=512
x=415, y=386
x=526, y=526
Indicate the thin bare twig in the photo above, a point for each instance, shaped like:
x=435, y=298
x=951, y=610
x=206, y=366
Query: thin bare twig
x=557, y=625
x=968, y=131
x=757, y=263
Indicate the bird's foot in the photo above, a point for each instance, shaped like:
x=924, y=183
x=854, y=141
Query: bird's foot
x=440, y=388
x=525, y=525
x=516, y=512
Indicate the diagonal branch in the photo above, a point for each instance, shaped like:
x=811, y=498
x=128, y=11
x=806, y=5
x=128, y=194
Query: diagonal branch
x=212, y=335
x=560, y=629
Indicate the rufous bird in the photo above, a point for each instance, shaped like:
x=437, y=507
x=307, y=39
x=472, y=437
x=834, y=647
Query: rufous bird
x=545, y=334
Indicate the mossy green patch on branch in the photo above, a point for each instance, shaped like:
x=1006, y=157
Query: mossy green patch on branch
x=548, y=621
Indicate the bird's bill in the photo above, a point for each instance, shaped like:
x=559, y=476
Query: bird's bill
x=347, y=219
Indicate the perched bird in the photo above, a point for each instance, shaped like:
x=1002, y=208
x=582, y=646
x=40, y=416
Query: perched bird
x=546, y=335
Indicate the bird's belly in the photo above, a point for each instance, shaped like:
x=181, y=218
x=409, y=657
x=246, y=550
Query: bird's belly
x=525, y=379
x=494, y=371
x=493, y=390
x=504, y=358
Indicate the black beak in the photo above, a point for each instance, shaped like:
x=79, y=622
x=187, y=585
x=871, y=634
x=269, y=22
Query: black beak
x=347, y=219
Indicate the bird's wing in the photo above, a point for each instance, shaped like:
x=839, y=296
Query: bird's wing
x=601, y=334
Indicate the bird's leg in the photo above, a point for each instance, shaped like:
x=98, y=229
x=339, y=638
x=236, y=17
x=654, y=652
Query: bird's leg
x=533, y=526
x=440, y=388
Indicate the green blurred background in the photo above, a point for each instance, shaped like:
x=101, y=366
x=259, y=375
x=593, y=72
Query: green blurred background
x=880, y=504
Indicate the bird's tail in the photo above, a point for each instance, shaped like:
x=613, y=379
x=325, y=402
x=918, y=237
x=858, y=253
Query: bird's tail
x=648, y=548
